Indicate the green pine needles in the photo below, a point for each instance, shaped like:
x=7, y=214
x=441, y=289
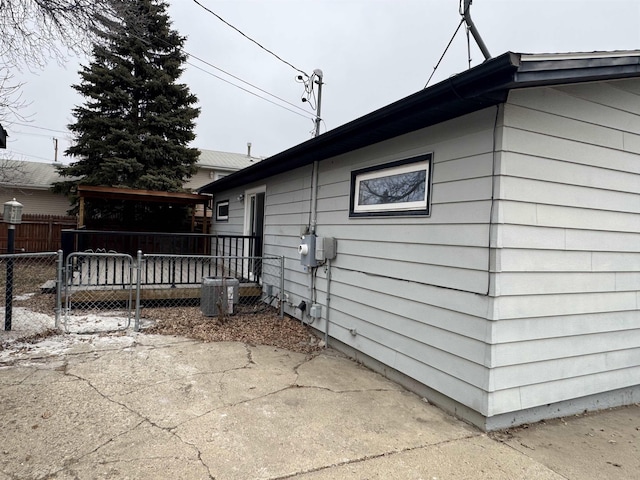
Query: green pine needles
x=137, y=121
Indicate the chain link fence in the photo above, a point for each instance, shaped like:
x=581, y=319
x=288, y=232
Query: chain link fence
x=28, y=286
x=108, y=291
x=220, y=285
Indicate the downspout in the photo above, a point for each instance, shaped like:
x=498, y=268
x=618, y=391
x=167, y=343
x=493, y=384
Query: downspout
x=326, y=321
x=474, y=31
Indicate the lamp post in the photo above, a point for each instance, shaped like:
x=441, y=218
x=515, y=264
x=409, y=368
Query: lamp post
x=13, y=216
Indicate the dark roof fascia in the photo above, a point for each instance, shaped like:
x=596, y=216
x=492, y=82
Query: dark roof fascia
x=483, y=86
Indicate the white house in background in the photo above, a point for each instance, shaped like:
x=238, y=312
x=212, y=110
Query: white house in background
x=30, y=182
x=213, y=165
x=488, y=236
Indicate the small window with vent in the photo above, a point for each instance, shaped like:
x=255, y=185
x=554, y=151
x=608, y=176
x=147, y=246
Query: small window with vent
x=222, y=211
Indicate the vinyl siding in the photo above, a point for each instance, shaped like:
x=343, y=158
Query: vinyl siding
x=412, y=289
x=567, y=246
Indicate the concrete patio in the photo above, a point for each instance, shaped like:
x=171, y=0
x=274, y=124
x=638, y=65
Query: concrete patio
x=138, y=406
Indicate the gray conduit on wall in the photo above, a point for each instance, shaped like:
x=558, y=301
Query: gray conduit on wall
x=328, y=300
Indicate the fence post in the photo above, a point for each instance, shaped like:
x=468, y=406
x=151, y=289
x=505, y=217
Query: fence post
x=282, y=286
x=59, y=286
x=136, y=323
x=8, y=292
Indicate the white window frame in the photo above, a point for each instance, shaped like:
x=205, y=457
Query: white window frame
x=421, y=207
x=222, y=218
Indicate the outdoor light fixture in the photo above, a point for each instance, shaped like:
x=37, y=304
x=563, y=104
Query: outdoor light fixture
x=241, y=197
x=13, y=216
x=12, y=212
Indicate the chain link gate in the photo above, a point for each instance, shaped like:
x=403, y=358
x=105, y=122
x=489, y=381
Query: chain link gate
x=98, y=290
x=30, y=301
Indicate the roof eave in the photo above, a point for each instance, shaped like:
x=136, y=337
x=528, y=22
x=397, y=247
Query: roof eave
x=471, y=90
x=483, y=86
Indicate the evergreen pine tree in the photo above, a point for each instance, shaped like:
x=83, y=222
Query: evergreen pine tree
x=134, y=129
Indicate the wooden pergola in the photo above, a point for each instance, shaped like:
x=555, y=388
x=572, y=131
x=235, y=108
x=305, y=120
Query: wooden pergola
x=115, y=193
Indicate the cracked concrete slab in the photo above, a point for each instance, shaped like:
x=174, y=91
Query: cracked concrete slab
x=337, y=373
x=300, y=429
x=151, y=407
x=474, y=458
x=47, y=423
x=146, y=451
x=590, y=447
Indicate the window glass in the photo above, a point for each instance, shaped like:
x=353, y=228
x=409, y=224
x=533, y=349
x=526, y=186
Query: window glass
x=222, y=210
x=396, y=188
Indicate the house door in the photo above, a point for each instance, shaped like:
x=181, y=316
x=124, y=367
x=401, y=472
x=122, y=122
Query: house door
x=254, y=227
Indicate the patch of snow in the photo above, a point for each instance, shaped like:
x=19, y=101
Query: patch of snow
x=84, y=332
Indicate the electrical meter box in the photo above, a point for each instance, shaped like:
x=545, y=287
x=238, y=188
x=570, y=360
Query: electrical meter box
x=307, y=250
x=325, y=248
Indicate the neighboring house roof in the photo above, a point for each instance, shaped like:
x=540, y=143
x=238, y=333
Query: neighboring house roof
x=483, y=86
x=225, y=160
x=34, y=175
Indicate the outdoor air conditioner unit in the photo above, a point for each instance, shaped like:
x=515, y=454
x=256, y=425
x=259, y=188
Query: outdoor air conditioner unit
x=219, y=296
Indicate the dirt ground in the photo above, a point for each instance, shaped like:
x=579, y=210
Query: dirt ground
x=261, y=328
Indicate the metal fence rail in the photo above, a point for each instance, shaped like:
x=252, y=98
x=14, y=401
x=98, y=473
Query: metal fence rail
x=109, y=288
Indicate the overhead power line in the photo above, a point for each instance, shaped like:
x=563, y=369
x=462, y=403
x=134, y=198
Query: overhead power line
x=40, y=128
x=243, y=81
x=249, y=38
x=304, y=114
x=250, y=92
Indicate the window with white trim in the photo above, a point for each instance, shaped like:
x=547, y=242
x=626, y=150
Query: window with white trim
x=396, y=188
x=222, y=211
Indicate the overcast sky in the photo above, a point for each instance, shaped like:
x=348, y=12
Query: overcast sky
x=372, y=53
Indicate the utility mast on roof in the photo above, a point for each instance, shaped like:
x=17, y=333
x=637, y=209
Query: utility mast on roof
x=464, y=7
x=474, y=31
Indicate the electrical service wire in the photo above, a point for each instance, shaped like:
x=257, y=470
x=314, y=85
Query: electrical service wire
x=39, y=128
x=209, y=64
x=245, y=82
x=444, y=53
x=308, y=81
x=249, y=38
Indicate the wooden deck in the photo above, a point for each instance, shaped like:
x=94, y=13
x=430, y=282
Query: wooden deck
x=149, y=293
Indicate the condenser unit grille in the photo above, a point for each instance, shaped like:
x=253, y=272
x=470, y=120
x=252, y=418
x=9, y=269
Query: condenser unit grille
x=219, y=295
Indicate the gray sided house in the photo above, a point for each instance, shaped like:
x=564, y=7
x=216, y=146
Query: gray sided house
x=488, y=236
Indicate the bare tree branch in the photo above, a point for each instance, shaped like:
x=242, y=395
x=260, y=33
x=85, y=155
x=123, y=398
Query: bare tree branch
x=36, y=31
x=33, y=32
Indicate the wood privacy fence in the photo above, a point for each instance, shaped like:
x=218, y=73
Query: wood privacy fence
x=37, y=233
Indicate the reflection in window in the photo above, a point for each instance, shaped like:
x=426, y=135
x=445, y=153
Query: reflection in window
x=403, y=187
x=398, y=188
